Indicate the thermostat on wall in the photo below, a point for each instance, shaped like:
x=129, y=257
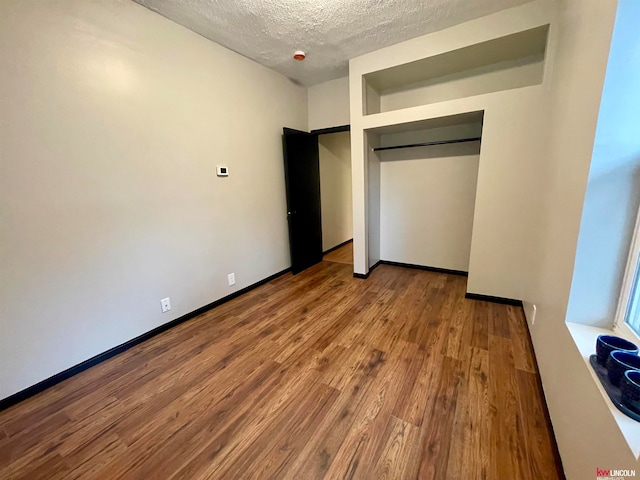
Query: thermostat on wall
x=223, y=171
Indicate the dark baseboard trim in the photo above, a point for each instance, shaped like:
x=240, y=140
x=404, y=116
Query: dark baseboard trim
x=324, y=131
x=410, y=265
x=489, y=298
x=338, y=246
x=424, y=267
x=545, y=407
x=101, y=357
x=364, y=276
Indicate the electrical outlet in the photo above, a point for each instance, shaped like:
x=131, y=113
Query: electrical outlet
x=165, y=303
x=529, y=313
x=232, y=279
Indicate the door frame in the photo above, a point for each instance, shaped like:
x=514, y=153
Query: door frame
x=324, y=131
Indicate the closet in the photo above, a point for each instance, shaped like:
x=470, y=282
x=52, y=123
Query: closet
x=445, y=129
x=424, y=175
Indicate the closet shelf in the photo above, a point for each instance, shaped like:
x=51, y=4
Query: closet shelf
x=428, y=144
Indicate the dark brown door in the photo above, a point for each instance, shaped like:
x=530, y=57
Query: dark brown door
x=302, y=178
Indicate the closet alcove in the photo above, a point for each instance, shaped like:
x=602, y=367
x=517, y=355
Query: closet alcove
x=445, y=130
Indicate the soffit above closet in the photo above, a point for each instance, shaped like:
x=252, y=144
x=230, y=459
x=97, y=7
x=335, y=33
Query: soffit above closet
x=330, y=31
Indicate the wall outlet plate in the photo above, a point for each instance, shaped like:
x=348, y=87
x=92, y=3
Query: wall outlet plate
x=533, y=315
x=165, y=303
x=232, y=279
x=530, y=312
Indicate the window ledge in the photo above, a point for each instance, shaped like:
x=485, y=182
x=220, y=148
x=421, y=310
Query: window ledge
x=585, y=337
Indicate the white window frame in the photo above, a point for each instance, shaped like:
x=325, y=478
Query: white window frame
x=633, y=264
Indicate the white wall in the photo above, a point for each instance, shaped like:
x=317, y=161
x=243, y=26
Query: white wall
x=329, y=104
x=428, y=196
x=579, y=413
x=427, y=199
x=335, y=188
x=112, y=120
x=611, y=201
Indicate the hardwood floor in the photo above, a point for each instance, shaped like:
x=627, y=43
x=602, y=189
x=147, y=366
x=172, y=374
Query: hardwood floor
x=343, y=254
x=318, y=375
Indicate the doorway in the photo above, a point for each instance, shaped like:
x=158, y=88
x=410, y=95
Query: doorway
x=318, y=187
x=335, y=194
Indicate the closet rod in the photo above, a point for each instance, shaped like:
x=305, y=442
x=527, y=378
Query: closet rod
x=429, y=144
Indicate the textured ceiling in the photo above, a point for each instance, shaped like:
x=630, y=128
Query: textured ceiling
x=329, y=31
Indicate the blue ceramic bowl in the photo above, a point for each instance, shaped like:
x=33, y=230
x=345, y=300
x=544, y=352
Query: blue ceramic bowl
x=608, y=343
x=619, y=362
x=630, y=386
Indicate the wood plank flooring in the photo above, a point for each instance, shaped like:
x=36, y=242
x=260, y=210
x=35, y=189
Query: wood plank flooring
x=312, y=376
x=343, y=254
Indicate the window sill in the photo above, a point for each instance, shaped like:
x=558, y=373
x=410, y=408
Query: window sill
x=585, y=337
